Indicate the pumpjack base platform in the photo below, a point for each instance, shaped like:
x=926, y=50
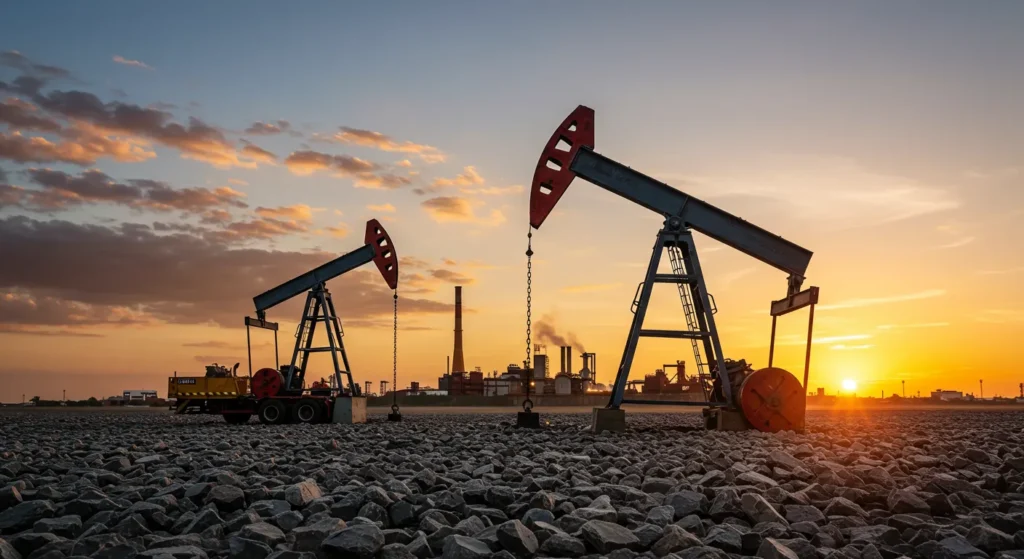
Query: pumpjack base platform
x=528, y=420
x=349, y=410
x=723, y=419
x=608, y=419
x=394, y=416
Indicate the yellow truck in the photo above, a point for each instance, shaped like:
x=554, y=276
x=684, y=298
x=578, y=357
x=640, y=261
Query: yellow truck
x=221, y=391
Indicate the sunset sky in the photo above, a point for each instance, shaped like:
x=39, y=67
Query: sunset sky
x=163, y=163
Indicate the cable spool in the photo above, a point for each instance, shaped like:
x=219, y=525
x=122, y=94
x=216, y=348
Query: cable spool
x=267, y=383
x=773, y=400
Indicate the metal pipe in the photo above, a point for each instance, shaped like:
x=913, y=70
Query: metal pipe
x=771, y=345
x=807, y=359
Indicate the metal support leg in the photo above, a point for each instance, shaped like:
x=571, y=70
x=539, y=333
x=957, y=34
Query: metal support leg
x=807, y=358
x=341, y=347
x=771, y=345
x=622, y=377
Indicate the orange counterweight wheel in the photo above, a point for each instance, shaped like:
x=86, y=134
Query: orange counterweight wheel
x=267, y=383
x=773, y=400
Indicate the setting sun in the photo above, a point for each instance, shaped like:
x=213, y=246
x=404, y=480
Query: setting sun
x=849, y=385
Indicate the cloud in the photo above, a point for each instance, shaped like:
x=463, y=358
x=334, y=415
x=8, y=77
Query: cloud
x=590, y=288
x=266, y=129
x=494, y=190
x=129, y=273
x=456, y=209
x=408, y=262
x=18, y=114
x=215, y=344
x=385, y=181
x=387, y=208
x=10, y=329
x=403, y=163
x=84, y=148
x=915, y=325
x=872, y=301
x=18, y=61
x=308, y=162
x=196, y=140
x=134, y=63
x=61, y=191
x=339, y=232
x=448, y=262
x=263, y=228
x=256, y=153
x=300, y=212
x=842, y=347
x=1000, y=316
x=376, y=140
x=449, y=276
x=962, y=241
x=468, y=177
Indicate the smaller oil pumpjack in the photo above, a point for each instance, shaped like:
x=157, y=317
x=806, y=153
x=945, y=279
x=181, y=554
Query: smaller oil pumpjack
x=736, y=396
x=279, y=395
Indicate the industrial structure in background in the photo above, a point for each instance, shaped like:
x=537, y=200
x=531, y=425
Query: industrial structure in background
x=735, y=396
x=280, y=394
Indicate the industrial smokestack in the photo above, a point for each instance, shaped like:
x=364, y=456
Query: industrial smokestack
x=568, y=359
x=561, y=349
x=458, y=364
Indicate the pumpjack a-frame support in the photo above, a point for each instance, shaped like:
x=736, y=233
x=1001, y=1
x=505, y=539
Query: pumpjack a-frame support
x=320, y=308
x=699, y=309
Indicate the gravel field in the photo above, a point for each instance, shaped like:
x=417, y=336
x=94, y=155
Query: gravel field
x=870, y=485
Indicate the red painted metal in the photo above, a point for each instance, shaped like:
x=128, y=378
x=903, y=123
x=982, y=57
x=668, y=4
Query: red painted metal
x=267, y=383
x=549, y=184
x=386, y=258
x=773, y=400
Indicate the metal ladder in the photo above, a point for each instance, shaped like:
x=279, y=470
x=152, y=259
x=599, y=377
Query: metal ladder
x=675, y=257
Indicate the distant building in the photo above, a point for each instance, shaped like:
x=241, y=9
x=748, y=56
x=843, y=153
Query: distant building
x=947, y=395
x=139, y=395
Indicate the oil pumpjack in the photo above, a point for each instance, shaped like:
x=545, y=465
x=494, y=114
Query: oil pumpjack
x=279, y=395
x=736, y=396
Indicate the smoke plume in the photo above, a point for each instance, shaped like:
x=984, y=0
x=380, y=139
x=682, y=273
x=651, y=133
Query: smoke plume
x=545, y=331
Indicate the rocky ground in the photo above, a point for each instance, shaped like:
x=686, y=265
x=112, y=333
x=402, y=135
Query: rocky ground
x=882, y=485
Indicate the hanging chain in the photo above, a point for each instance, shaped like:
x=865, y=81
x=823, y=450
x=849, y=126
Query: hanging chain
x=528, y=404
x=394, y=360
x=529, y=294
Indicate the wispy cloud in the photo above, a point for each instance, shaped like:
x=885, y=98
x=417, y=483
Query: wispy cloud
x=1001, y=316
x=872, y=301
x=843, y=347
x=129, y=62
x=915, y=325
x=962, y=241
x=1013, y=270
x=590, y=288
x=455, y=209
x=383, y=142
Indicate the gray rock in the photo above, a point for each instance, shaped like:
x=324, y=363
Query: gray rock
x=758, y=509
x=24, y=515
x=904, y=502
x=958, y=546
x=563, y=545
x=534, y=516
x=661, y=515
x=183, y=552
x=878, y=535
x=773, y=549
x=804, y=513
x=65, y=526
x=303, y=493
x=605, y=537
x=262, y=532
x=989, y=539
x=687, y=502
x=287, y=521
x=517, y=538
x=205, y=519
x=464, y=547
x=392, y=551
x=242, y=548
x=842, y=506
x=308, y=538
x=227, y=498
x=726, y=504
x=9, y=497
x=725, y=537
x=362, y=540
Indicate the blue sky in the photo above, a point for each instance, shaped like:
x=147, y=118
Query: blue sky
x=874, y=133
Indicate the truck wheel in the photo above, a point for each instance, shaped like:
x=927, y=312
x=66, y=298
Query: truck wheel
x=272, y=412
x=237, y=418
x=308, y=410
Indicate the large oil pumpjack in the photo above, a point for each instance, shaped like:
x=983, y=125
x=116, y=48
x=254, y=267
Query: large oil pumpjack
x=279, y=395
x=736, y=396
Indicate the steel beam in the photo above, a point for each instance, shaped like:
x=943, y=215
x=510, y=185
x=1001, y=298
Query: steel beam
x=313, y=278
x=696, y=214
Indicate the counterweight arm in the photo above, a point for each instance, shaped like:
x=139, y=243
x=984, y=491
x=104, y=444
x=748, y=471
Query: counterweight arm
x=378, y=249
x=569, y=153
